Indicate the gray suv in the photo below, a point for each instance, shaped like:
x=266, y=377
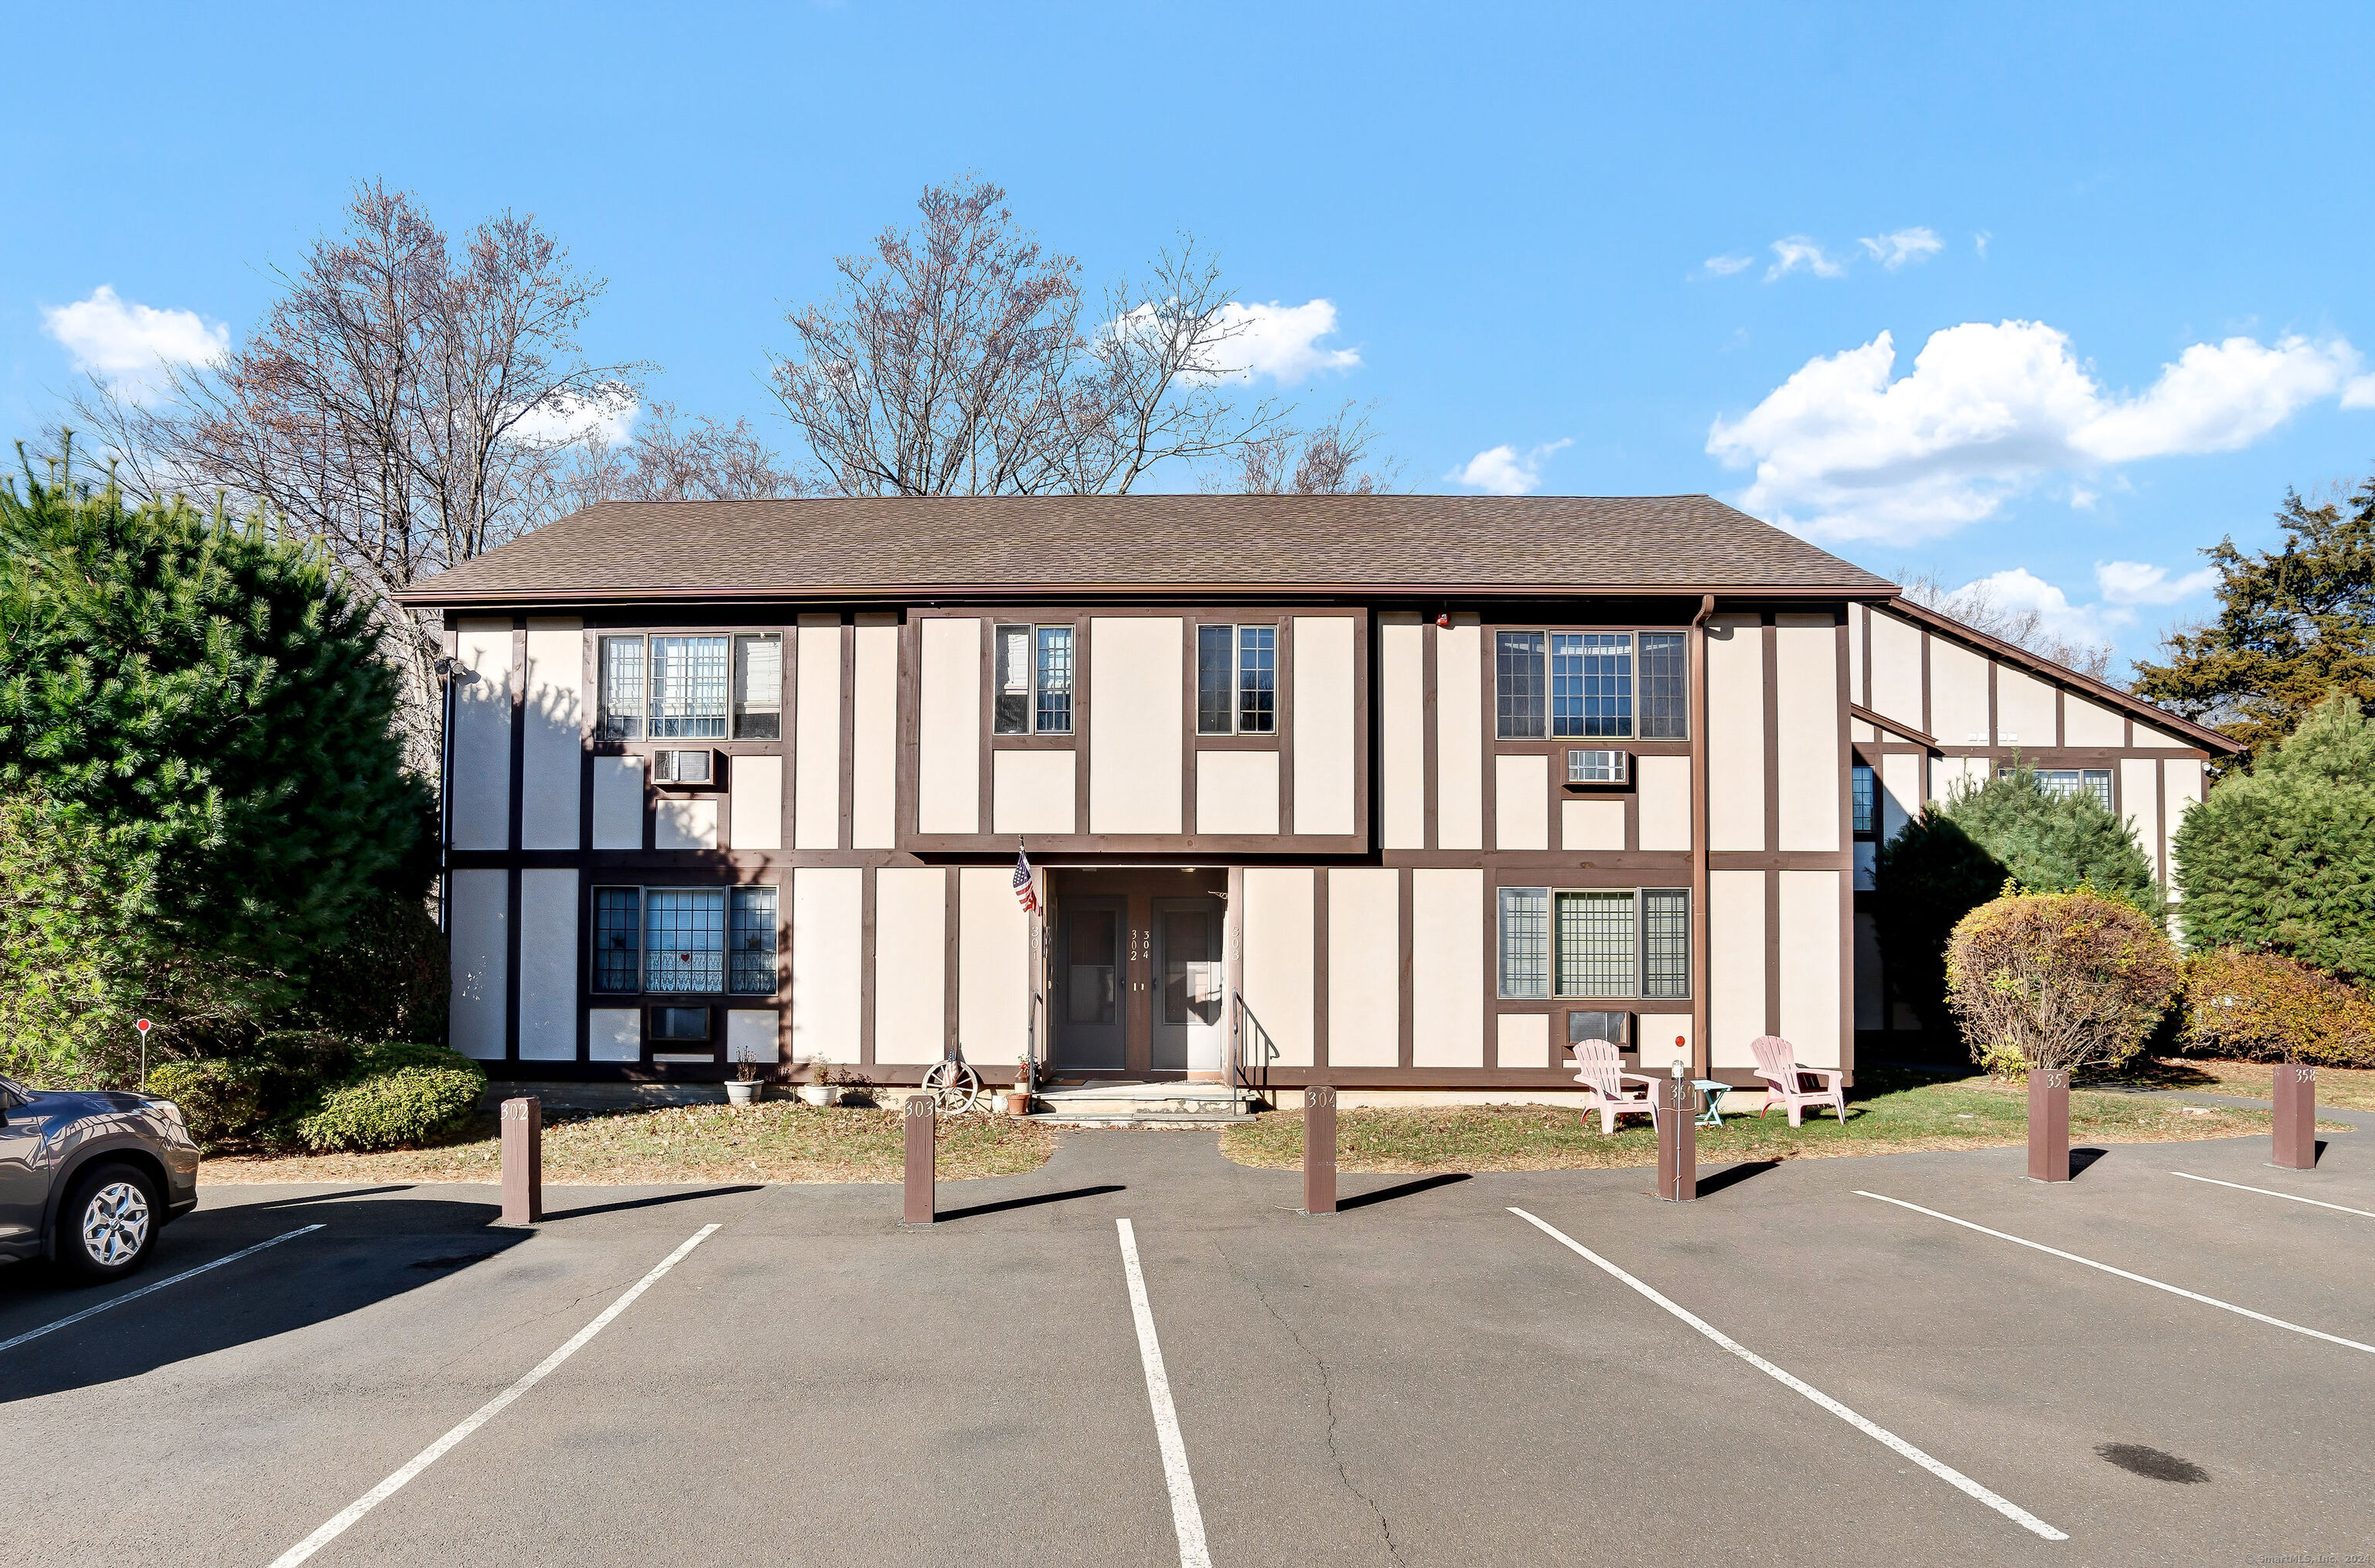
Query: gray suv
x=88, y=1178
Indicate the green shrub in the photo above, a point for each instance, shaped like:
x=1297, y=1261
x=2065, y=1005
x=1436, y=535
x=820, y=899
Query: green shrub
x=2283, y=857
x=2058, y=981
x=398, y=1094
x=388, y=979
x=2259, y=1006
x=222, y=1102
x=2008, y=833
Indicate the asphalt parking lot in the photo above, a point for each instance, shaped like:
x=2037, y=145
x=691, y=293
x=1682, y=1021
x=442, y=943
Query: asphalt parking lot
x=1429, y=1377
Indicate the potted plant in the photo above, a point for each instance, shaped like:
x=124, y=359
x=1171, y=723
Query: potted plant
x=1018, y=1099
x=2048, y=983
x=744, y=1088
x=817, y=1091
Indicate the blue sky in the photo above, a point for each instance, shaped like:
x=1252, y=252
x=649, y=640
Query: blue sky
x=1609, y=249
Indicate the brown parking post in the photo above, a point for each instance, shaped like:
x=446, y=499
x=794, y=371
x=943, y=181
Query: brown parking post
x=1678, y=1141
x=2296, y=1117
x=2049, y=1125
x=524, y=1161
x=923, y=1126
x=1319, y=1150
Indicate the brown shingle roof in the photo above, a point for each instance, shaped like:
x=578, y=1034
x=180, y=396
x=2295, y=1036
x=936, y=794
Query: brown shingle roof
x=1058, y=546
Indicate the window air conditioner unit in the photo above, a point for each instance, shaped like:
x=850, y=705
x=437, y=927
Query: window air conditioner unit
x=687, y=1026
x=1596, y=768
x=686, y=770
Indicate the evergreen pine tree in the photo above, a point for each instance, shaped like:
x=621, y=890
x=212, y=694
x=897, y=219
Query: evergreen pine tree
x=2283, y=857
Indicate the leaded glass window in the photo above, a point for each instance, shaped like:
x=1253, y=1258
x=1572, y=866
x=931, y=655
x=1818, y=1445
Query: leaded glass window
x=1236, y=679
x=684, y=940
x=688, y=688
x=1216, y=687
x=751, y=942
x=1595, y=943
x=1665, y=686
x=1525, y=942
x=1517, y=684
x=618, y=936
x=622, y=689
x=1665, y=943
x=1591, y=683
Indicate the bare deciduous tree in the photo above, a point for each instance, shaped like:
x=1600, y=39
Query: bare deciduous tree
x=410, y=406
x=955, y=360
x=1977, y=607
x=709, y=460
x=1335, y=458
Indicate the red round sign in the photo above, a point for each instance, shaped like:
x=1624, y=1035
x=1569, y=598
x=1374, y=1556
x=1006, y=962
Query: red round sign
x=142, y=1026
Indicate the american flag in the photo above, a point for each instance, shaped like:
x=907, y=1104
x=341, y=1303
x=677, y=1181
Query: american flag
x=1024, y=893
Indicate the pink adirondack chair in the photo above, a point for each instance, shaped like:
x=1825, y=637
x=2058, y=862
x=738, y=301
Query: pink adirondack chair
x=1785, y=1080
x=1600, y=1070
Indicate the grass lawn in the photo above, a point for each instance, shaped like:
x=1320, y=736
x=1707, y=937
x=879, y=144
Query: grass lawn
x=777, y=1140
x=1888, y=1112
x=2353, y=1088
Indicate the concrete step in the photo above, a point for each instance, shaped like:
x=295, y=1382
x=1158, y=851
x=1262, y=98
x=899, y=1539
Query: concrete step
x=1141, y=1106
x=1186, y=1122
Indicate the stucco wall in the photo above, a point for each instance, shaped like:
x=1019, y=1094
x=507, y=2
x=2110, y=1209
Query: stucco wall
x=1135, y=695
x=1279, y=959
x=1365, y=994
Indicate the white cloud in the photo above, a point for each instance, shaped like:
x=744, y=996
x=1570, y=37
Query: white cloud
x=1893, y=251
x=1501, y=470
x=1274, y=340
x=128, y=344
x=2020, y=589
x=1798, y=253
x=2134, y=583
x=609, y=416
x=1724, y=266
x=1842, y=451
x=2360, y=393
x=1979, y=242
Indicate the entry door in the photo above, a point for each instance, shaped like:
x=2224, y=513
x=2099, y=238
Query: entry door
x=1188, y=1030
x=1092, y=1028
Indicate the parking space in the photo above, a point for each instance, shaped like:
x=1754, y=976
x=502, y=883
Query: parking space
x=1426, y=1377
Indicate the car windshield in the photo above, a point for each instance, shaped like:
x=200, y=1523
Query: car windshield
x=11, y=1086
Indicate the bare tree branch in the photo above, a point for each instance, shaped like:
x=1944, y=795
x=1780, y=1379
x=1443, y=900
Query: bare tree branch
x=1977, y=607
x=1335, y=458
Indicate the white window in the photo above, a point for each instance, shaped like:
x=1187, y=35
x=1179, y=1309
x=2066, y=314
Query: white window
x=759, y=687
x=1035, y=681
x=1237, y=680
x=663, y=689
x=1594, y=942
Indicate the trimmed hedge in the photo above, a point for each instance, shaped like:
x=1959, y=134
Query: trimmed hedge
x=2057, y=980
x=222, y=1102
x=2262, y=1007
x=398, y=1094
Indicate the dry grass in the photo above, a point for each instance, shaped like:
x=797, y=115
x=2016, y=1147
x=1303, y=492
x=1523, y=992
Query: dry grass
x=2352, y=1088
x=773, y=1141
x=1887, y=1114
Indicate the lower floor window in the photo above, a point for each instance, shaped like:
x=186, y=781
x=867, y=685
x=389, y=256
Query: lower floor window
x=685, y=940
x=1594, y=942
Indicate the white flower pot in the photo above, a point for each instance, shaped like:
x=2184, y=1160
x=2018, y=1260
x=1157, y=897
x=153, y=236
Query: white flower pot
x=818, y=1094
x=738, y=1092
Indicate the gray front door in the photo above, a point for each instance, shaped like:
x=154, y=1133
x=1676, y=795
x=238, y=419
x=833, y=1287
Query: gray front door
x=1088, y=1005
x=1189, y=1031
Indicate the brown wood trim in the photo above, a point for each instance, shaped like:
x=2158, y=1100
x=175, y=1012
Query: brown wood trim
x=1189, y=629
x=846, y=786
x=1488, y=779
x=1431, y=788
x=1893, y=727
x=1865, y=685
x=1994, y=729
x=952, y=921
x=984, y=805
x=1283, y=717
x=1320, y=967
x=866, y=976
x=787, y=747
x=2061, y=725
x=1769, y=764
x=1407, y=918
x=1927, y=726
x=1080, y=721
x=1772, y=885
x=1702, y=924
x=1154, y=596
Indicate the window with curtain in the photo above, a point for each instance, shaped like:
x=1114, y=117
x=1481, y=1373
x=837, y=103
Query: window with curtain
x=1034, y=674
x=1664, y=669
x=688, y=687
x=1517, y=684
x=684, y=939
x=622, y=689
x=618, y=938
x=750, y=942
x=759, y=687
x=1525, y=943
x=1011, y=702
x=1595, y=943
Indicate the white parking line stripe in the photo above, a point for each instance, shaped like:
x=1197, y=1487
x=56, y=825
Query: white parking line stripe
x=1944, y=1472
x=148, y=1289
x=2139, y=1278
x=485, y=1413
x=1187, y=1518
x=2270, y=1192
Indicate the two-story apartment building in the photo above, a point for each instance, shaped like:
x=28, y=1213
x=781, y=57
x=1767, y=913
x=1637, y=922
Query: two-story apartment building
x=1383, y=791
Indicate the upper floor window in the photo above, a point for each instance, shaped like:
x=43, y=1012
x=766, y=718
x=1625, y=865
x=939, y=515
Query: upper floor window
x=2066, y=782
x=1594, y=942
x=1589, y=684
x=1866, y=799
x=664, y=689
x=1237, y=680
x=1035, y=681
x=759, y=687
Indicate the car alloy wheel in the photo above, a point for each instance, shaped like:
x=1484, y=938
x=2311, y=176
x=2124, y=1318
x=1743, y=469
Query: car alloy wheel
x=115, y=1224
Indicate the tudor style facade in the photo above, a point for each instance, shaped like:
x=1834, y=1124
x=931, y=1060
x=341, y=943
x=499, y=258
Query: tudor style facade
x=1382, y=792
